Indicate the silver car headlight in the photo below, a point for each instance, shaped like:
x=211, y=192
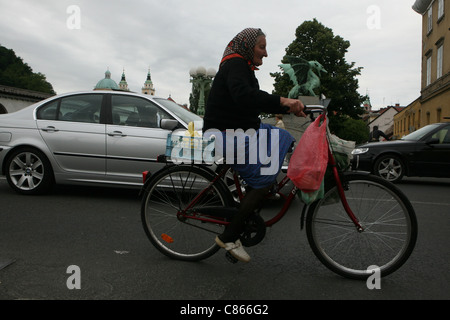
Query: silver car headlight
x=359, y=151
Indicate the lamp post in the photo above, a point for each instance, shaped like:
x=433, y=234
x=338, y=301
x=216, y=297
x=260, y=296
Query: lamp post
x=200, y=79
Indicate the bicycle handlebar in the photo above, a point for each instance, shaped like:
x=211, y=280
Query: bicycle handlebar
x=309, y=109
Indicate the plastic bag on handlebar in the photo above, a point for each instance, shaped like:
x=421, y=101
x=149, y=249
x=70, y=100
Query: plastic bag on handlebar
x=310, y=197
x=309, y=161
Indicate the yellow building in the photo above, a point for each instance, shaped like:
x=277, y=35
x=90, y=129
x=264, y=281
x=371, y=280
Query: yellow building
x=433, y=105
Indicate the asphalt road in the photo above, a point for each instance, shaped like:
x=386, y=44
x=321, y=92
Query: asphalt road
x=99, y=231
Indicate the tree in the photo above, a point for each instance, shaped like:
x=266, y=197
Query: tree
x=316, y=42
x=349, y=129
x=15, y=73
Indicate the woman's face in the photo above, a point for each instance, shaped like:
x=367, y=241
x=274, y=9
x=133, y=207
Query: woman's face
x=260, y=51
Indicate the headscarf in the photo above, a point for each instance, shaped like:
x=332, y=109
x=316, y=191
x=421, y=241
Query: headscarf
x=242, y=46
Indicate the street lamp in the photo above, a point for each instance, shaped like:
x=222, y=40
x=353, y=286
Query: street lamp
x=200, y=79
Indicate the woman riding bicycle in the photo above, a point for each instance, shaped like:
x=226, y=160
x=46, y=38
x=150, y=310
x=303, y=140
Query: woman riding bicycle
x=235, y=102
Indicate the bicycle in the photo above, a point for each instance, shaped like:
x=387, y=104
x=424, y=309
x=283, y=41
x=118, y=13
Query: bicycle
x=362, y=220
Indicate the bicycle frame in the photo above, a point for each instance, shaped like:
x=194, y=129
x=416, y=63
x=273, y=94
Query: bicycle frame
x=287, y=202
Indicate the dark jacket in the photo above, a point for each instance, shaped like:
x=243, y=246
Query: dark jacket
x=235, y=100
x=376, y=134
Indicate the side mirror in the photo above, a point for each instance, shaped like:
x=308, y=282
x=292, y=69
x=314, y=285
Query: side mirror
x=433, y=141
x=169, y=124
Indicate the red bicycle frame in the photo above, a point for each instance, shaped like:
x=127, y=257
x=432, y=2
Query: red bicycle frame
x=183, y=214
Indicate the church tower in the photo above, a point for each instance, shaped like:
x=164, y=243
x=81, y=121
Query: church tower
x=366, y=104
x=148, y=85
x=123, y=85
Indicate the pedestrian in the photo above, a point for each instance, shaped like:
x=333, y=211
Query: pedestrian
x=235, y=102
x=279, y=121
x=376, y=134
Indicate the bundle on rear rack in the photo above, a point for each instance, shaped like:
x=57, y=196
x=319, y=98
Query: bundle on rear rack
x=188, y=149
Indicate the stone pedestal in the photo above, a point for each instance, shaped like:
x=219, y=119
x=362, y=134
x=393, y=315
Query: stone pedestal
x=310, y=100
x=297, y=125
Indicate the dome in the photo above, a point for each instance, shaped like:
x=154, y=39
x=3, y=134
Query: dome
x=107, y=83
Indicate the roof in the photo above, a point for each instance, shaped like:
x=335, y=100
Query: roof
x=12, y=91
x=421, y=6
x=397, y=108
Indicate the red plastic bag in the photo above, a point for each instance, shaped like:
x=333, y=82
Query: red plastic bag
x=309, y=161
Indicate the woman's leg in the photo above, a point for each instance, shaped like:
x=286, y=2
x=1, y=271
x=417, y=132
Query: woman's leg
x=229, y=239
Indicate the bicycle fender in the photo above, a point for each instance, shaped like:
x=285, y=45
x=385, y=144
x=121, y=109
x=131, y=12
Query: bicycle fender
x=148, y=176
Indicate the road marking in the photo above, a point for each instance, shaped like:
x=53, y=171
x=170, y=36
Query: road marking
x=428, y=203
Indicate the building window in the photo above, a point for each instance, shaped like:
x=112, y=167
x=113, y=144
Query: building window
x=428, y=70
x=418, y=121
x=440, y=9
x=440, y=58
x=430, y=20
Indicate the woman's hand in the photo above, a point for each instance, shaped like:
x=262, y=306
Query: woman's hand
x=295, y=106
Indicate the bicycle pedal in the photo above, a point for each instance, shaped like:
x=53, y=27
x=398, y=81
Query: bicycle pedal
x=230, y=258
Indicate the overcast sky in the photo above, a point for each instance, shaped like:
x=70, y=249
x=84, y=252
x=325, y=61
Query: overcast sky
x=74, y=42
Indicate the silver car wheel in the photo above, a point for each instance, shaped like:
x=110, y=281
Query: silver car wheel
x=29, y=171
x=390, y=168
x=26, y=171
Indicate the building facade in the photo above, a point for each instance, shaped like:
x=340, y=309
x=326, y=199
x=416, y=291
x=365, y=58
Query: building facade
x=13, y=99
x=433, y=105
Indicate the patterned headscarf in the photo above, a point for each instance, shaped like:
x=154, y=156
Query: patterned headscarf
x=242, y=46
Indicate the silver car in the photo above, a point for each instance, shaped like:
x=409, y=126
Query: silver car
x=92, y=137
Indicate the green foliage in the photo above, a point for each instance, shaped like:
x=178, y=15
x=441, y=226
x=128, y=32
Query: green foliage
x=316, y=42
x=15, y=73
x=349, y=129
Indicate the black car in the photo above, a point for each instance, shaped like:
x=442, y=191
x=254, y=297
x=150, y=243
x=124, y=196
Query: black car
x=422, y=153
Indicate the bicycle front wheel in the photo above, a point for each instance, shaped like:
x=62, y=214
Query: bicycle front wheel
x=388, y=220
x=168, y=193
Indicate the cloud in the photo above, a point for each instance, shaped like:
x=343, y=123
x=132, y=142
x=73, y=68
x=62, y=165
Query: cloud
x=171, y=37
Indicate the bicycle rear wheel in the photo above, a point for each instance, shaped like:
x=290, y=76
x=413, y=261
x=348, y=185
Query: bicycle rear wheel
x=167, y=194
x=388, y=219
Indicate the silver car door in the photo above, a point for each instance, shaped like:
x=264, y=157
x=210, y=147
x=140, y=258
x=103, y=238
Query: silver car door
x=134, y=139
x=71, y=128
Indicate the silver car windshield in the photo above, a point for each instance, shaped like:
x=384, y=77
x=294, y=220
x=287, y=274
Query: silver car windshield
x=184, y=114
x=419, y=134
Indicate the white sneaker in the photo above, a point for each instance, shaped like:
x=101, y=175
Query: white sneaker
x=235, y=248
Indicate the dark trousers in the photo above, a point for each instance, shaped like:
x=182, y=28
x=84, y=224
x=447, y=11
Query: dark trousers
x=251, y=201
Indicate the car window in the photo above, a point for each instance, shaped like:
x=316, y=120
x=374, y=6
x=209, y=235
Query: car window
x=136, y=112
x=419, y=134
x=79, y=108
x=443, y=135
x=48, y=111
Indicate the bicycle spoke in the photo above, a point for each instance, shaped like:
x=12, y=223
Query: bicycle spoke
x=170, y=207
